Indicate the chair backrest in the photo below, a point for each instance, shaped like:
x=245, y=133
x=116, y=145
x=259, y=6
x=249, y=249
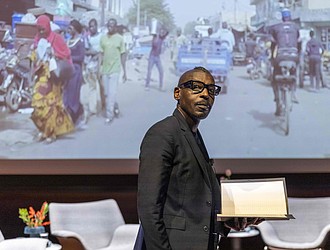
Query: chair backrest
x=1, y=236
x=94, y=221
x=312, y=215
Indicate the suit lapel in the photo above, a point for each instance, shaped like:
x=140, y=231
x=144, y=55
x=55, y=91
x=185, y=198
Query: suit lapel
x=194, y=146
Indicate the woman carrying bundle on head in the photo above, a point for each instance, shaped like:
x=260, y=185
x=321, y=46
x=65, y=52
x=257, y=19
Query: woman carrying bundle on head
x=49, y=114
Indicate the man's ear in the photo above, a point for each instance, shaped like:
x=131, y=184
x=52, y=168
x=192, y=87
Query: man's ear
x=177, y=93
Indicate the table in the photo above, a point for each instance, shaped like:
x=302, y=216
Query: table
x=54, y=246
x=237, y=236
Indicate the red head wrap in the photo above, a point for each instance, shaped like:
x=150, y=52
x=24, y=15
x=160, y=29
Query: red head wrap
x=61, y=49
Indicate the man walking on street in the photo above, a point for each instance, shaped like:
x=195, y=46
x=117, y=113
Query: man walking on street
x=154, y=58
x=113, y=60
x=90, y=91
x=178, y=42
x=314, y=51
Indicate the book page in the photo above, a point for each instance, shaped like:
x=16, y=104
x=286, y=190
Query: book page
x=254, y=198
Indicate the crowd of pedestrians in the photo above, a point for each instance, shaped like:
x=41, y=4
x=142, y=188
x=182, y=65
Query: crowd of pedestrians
x=63, y=103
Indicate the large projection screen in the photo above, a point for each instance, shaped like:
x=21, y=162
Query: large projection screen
x=241, y=131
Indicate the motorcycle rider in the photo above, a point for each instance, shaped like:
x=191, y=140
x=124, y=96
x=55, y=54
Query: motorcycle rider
x=252, y=49
x=285, y=35
x=250, y=46
x=251, y=56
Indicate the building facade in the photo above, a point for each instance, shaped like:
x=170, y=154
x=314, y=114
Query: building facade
x=309, y=14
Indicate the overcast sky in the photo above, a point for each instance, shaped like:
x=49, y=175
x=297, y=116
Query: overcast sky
x=189, y=10
x=186, y=11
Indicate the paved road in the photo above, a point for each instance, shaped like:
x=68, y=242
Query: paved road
x=241, y=124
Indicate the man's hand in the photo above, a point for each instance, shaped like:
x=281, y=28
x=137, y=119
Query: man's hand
x=239, y=224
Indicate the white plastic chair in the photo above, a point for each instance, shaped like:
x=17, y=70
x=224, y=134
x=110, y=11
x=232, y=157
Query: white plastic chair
x=95, y=225
x=309, y=230
x=1, y=237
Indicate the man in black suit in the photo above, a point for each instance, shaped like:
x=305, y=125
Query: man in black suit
x=178, y=192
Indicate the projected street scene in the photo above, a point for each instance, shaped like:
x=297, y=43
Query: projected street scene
x=242, y=123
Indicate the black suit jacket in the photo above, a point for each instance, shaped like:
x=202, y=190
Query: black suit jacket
x=175, y=200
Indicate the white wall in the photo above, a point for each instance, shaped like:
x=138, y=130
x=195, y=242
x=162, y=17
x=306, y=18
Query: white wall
x=318, y=4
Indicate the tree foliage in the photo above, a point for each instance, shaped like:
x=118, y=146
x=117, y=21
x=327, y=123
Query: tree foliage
x=151, y=9
x=190, y=28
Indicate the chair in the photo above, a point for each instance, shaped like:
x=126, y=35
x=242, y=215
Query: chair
x=309, y=230
x=22, y=243
x=95, y=225
x=1, y=237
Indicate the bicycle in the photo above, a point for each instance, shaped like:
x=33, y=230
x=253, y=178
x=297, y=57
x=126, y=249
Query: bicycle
x=287, y=62
x=286, y=92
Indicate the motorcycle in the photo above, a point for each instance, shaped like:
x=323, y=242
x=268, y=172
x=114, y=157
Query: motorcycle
x=4, y=57
x=252, y=68
x=17, y=84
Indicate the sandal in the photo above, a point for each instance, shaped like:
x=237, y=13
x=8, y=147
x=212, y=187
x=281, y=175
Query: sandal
x=50, y=140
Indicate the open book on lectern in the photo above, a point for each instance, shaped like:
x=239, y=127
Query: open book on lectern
x=254, y=198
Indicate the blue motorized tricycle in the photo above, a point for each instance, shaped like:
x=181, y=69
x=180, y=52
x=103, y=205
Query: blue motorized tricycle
x=211, y=53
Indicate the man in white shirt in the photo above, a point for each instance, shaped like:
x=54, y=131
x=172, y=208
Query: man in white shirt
x=178, y=42
x=225, y=34
x=227, y=41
